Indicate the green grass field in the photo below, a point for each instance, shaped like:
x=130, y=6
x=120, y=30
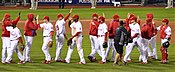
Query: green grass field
x=37, y=56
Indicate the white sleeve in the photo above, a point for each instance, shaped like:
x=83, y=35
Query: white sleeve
x=51, y=27
x=41, y=25
x=158, y=28
x=79, y=27
x=18, y=33
x=168, y=32
x=138, y=29
x=105, y=28
x=9, y=28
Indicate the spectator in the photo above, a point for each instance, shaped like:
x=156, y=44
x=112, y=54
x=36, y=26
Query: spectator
x=61, y=4
x=93, y=4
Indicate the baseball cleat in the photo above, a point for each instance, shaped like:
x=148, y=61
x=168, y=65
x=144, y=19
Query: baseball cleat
x=144, y=63
x=57, y=60
x=108, y=61
x=21, y=62
x=129, y=61
x=63, y=61
x=101, y=62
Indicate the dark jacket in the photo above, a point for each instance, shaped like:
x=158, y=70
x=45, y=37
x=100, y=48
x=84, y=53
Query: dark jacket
x=121, y=36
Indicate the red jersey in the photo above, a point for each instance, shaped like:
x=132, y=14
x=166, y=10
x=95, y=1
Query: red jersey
x=6, y=23
x=94, y=27
x=146, y=31
x=30, y=28
x=113, y=25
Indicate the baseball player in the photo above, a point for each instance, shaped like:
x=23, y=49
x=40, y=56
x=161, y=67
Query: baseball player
x=146, y=33
x=128, y=21
x=169, y=4
x=121, y=39
x=102, y=38
x=136, y=39
x=15, y=38
x=112, y=26
x=6, y=34
x=47, y=37
x=34, y=4
x=29, y=33
x=165, y=35
x=152, y=41
x=60, y=34
x=76, y=28
x=93, y=37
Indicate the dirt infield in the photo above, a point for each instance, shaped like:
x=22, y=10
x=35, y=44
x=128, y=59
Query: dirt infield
x=85, y=24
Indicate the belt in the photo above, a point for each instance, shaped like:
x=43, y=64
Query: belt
x=46, y=36
x=14, y=40
x=100, y=35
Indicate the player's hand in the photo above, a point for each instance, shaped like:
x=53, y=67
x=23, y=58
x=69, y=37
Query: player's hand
x=37, y=17
x=19, y=14
x=138, y=17
x=128, y=15
x=71, y=10
x=70, y=18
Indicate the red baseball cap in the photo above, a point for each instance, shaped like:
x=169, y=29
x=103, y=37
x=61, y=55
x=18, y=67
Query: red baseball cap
x=7, y=15
x=149, y=15
x=59, y=15
x=165, y=20
x=46, y=17
x=95, y=15
x=133, y=18
x=75, y=16
x=131, y=15
x=116, y=16
x=30, y=16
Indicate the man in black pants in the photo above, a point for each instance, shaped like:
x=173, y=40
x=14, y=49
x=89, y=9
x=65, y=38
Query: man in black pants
x=61, y=4
x=121, y=38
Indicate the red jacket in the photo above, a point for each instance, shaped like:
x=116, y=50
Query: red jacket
x=113, y=25
x=6, y=23
x=146, y=31
x=29, y=27
x=94, y=28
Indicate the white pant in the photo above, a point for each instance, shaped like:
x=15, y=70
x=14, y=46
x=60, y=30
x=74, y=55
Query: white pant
x=45, y=48
x=145, y=43
x=59, y=46
x=34, y=4
x=93, y=3
x=14, y=47
x=94, y=49
x=152, y=42
x=170, y=3
x=5, y=48
x=99, y=46
x=130, y=47
x=76, y=41
x=28, y=44
x=111, y=45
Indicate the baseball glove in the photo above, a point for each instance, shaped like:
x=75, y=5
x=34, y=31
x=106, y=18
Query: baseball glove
x=105, y=45
x=69, y=42
x=50, y=44
x=22, y=48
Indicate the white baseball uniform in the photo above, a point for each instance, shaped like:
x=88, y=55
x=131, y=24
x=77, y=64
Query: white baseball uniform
x=152, y=42
x=14, y=36
x=47, y=29
x=102, y=29
x=76, y=27
x=111, y=45
x=60, y=30
x=135, y=28
x=167, y=32
x=5, y=48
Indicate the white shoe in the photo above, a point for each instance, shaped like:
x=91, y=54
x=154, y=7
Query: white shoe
x=31, y=8
x=167, y=7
